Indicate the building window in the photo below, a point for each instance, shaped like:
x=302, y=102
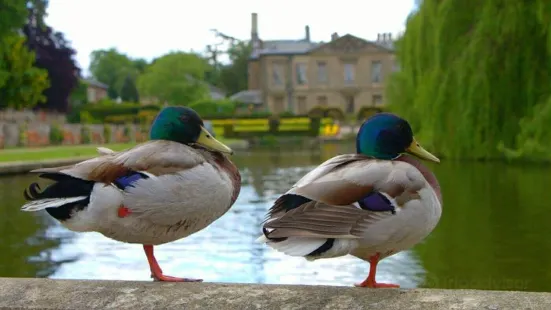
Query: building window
x=376, y=100
x=277, y=74
x=322, y=72
x=322, y=101
x=349, y=73
x=376, y=71
x=300, y=70
x=301, y=105
x=350, y=104
x=278, y=104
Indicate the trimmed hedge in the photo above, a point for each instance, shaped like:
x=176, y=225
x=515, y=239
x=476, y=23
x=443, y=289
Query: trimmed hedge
x=367, y=112
x=109, y=111
x=276, y=126
x=210, y=107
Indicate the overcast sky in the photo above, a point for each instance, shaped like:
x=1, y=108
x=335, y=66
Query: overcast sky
x=147, y=28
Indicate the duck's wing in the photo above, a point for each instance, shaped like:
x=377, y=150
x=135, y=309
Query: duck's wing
x=343, y=197
x=154, y=157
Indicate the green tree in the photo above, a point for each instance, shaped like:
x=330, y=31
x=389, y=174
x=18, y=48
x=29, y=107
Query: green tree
x=21, y=84
x=13, y=15
x=234, y=77
x=129, y=92
x=112, y=67
x=140, y=64
x=176, y=78
x=475, y=76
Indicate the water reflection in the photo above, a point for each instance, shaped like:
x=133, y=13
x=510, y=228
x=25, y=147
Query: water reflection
x=492, y=234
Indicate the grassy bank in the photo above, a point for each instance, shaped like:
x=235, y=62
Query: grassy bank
x=65, y=151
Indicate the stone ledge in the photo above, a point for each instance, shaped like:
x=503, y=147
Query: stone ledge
x=22, y=293
x=21, y=167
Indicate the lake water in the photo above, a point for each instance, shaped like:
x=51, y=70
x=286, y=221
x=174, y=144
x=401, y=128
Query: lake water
x=494, y=234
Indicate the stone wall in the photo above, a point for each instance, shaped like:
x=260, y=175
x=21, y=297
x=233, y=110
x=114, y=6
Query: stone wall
x=34, y=134
x=20, y=293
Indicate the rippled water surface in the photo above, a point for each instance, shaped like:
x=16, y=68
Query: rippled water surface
x=493, y=234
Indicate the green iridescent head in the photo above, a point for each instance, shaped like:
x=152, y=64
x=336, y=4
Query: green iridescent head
x=184, y=125
x=387, y=136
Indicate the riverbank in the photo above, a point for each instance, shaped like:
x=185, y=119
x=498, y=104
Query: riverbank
x=23, y=160
x=23, y=293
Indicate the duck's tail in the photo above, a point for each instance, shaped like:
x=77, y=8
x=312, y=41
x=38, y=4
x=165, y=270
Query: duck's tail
x=61, y=198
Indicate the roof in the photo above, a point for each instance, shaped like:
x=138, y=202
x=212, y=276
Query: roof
x=284, y=47
x=95, y=83
x=214, y=89
x=294, y=47
x=248, y=96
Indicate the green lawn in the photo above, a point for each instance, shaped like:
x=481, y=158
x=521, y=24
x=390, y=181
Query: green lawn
x=65, y=151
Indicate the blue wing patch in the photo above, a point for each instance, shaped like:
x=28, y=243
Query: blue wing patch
x=377, y=202
x=129, y=179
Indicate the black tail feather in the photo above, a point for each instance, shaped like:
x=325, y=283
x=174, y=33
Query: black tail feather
x=64, y=186
x=326, y=246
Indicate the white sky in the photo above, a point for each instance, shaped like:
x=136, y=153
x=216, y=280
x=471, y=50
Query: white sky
x=147, y=28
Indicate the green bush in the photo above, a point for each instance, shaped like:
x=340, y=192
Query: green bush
x=127, y=132
x=367, y=112
x=273, y=123
x=56, y=134
x=22, y=141
x=317, y=111
x=107, y=131
x=85, y=135
x=111, y=112
x=209, y=108
x=286, y=114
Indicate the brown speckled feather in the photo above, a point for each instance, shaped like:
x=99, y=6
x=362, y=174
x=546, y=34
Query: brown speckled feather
x=156, y=157
x=335, y=186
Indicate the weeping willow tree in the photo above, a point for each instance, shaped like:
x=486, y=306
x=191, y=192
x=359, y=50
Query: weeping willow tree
x=475, y=78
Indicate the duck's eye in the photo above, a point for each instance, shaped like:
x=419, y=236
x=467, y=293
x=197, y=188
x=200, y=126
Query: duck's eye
x=184, y=118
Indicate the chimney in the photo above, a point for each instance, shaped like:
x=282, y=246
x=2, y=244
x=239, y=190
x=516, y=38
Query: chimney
x=307, y=33
x=389, y=37
x=378, y=37
x=254, y=26
x=334, y=36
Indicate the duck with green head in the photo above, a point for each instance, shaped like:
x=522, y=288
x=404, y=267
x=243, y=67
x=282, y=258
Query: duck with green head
x=371, y=204
x=159, y=191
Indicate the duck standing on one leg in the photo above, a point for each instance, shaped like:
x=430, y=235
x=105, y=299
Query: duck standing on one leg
x=371, y=205
x=159, y=191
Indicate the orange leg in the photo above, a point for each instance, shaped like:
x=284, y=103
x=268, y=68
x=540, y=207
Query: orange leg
x=370, y=281
x=157, y=273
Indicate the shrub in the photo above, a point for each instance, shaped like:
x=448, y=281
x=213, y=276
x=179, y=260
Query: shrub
x=112, y=112
x=22, y=141
x=127, y=132
x=209, y=108
x=367, y=112
x=317, y=112
x=335, y=113
x=107, y=132
x=85, y=135
x=56, y=134
x=273, y=123
x=286, y=114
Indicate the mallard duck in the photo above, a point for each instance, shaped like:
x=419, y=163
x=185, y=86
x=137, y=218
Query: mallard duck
x=159, y=191
x=371, y=204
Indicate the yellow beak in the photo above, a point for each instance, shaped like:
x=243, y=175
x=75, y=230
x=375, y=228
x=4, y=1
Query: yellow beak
x=207, y=140
x=416, y=149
